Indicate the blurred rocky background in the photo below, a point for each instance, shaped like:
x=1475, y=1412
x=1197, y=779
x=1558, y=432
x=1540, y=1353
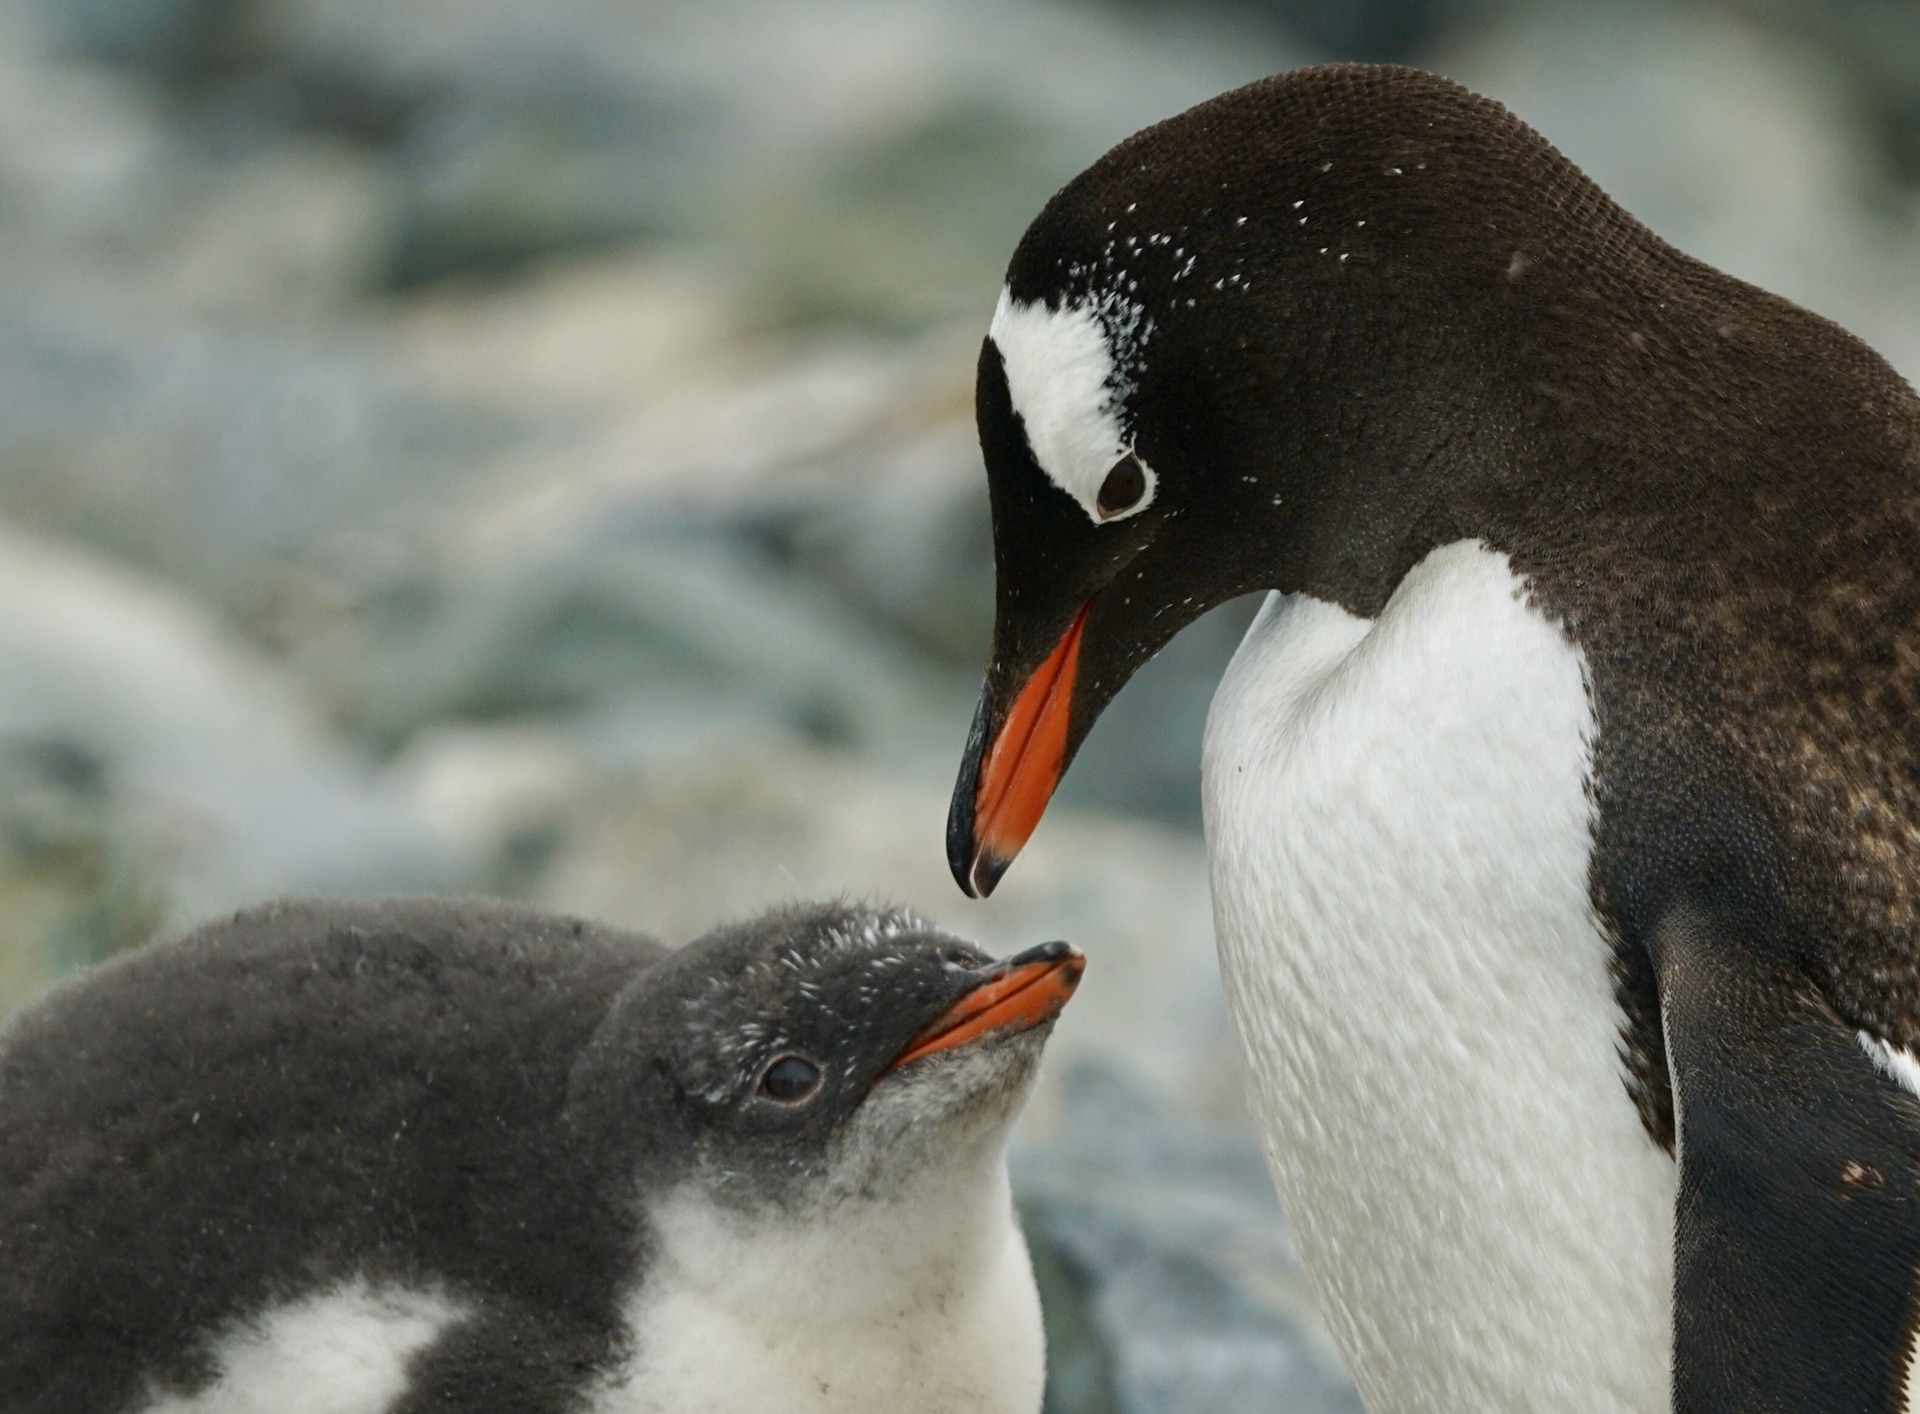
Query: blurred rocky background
x=470, y=445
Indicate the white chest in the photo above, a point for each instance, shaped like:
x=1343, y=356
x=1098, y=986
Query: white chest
x=1398, y=827
x=875, y=1312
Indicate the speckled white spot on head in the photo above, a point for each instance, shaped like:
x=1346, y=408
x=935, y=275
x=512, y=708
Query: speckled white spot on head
x=1066, y=383
x=343, y=1351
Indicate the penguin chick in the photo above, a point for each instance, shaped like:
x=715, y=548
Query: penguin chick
x=427, y=1155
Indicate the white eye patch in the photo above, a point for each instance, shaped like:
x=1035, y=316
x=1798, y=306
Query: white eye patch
x=1066, y=385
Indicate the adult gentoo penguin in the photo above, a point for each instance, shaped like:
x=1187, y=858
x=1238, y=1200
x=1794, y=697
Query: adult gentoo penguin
x=1563, y=804
x=435, y=1156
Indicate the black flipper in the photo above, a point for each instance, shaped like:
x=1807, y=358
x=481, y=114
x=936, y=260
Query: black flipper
x=1797, y=1229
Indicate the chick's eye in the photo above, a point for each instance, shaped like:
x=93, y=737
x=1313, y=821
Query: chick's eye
x=1123, y=488
x=790, y=1080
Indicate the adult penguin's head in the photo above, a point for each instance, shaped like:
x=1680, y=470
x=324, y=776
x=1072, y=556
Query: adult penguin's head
x=1271, y=343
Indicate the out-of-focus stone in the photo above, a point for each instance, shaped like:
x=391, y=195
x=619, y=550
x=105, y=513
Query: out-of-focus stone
x=78, y=151
x=910, y=544
x=492, y=186
x=496, y=796
x=215, y=458
x=156, y=767
x=288, y=235
x=1388, y=31
x=597, y=334
x=618, y=622
x=1878, y=42
x=168, y=39
x=909, y=233
x=77, y=881
x=743, y=436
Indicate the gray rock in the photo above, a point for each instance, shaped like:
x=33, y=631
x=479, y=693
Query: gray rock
x=78, y=883
x=565, y=159
x=1374, y=31
x=645, y=633
x=165, y=38
x=907, y=542
x=1878, y=41
x=154, y=769
x=907, y=230
x=218, y=462
x=868, y=163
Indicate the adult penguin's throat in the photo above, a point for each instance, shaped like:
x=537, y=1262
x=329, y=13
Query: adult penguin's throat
x=1013, y=770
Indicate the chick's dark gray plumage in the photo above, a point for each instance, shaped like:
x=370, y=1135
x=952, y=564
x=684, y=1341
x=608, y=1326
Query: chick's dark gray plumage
x=378, y=1085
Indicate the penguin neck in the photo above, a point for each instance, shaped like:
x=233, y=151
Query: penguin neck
x=937, y=1235
x=1407, y=435
x=877, y=1303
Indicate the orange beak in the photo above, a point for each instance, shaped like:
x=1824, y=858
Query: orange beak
x=1023, y=992
x=1022, y=764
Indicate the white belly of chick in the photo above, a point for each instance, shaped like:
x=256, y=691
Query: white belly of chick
x=1399, y=833
x=861, y=1312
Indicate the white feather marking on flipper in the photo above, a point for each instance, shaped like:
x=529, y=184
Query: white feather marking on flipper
x=1896, y=1064
x=1899, y=1066
x=342, y=1351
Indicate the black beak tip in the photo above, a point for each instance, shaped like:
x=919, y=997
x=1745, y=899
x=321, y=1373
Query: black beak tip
x=1056, y=951
x=970, y=872
x=960, y=852
x=960, y=861
x=985, y=874
x=977, y=872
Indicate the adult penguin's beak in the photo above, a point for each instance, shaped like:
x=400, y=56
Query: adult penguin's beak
x=1012, y=763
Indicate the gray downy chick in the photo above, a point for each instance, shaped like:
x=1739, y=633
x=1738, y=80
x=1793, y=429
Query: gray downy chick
x=433, y=1155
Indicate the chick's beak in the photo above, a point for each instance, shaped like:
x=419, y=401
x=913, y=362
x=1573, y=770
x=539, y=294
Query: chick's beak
x=1023, y=992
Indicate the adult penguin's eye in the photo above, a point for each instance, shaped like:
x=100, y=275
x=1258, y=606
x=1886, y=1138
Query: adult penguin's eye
x=1123, y=488
x=791, y=1080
